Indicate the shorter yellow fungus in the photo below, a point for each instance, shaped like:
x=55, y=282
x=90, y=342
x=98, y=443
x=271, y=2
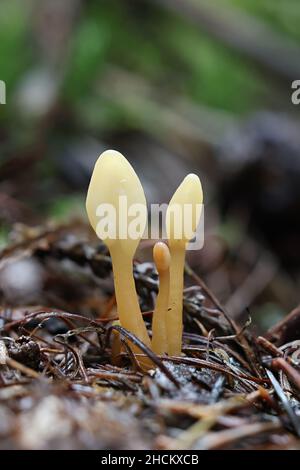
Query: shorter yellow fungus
x=161, y=255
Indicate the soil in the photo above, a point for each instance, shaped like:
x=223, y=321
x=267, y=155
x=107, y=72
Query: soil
x=62, y=385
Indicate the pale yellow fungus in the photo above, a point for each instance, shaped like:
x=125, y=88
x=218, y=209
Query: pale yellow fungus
x=182, y=219
x=114, y=184
x=114, y=198
x=161, y=255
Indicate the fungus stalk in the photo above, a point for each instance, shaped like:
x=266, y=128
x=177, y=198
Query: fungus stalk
x=161, y=255
x=127, y=302
x=114, y=180
x=182, y=219
x=174, y=314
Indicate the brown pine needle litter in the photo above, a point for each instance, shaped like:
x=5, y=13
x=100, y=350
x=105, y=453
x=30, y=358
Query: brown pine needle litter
x=60, y=387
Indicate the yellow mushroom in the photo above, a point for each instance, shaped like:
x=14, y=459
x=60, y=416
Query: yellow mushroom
x=115, y=185
x=161, y=255
x=182, y=219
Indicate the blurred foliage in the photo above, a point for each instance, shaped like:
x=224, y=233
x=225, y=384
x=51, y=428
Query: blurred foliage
x=148, y=41
x=14, y=29
x=284, y=15
x=101, y=68
x=172, y=57
x=88, y=50
x=66, y=207
x=164, y=50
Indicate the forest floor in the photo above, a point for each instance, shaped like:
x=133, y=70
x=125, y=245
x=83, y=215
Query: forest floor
x=62, y=384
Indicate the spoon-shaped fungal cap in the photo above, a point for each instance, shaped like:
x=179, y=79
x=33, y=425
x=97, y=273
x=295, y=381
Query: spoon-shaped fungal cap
x=162, y=259
x=116, y=195
x=184, y=210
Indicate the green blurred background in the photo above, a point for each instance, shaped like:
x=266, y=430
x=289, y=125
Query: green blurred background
x=177, y=86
